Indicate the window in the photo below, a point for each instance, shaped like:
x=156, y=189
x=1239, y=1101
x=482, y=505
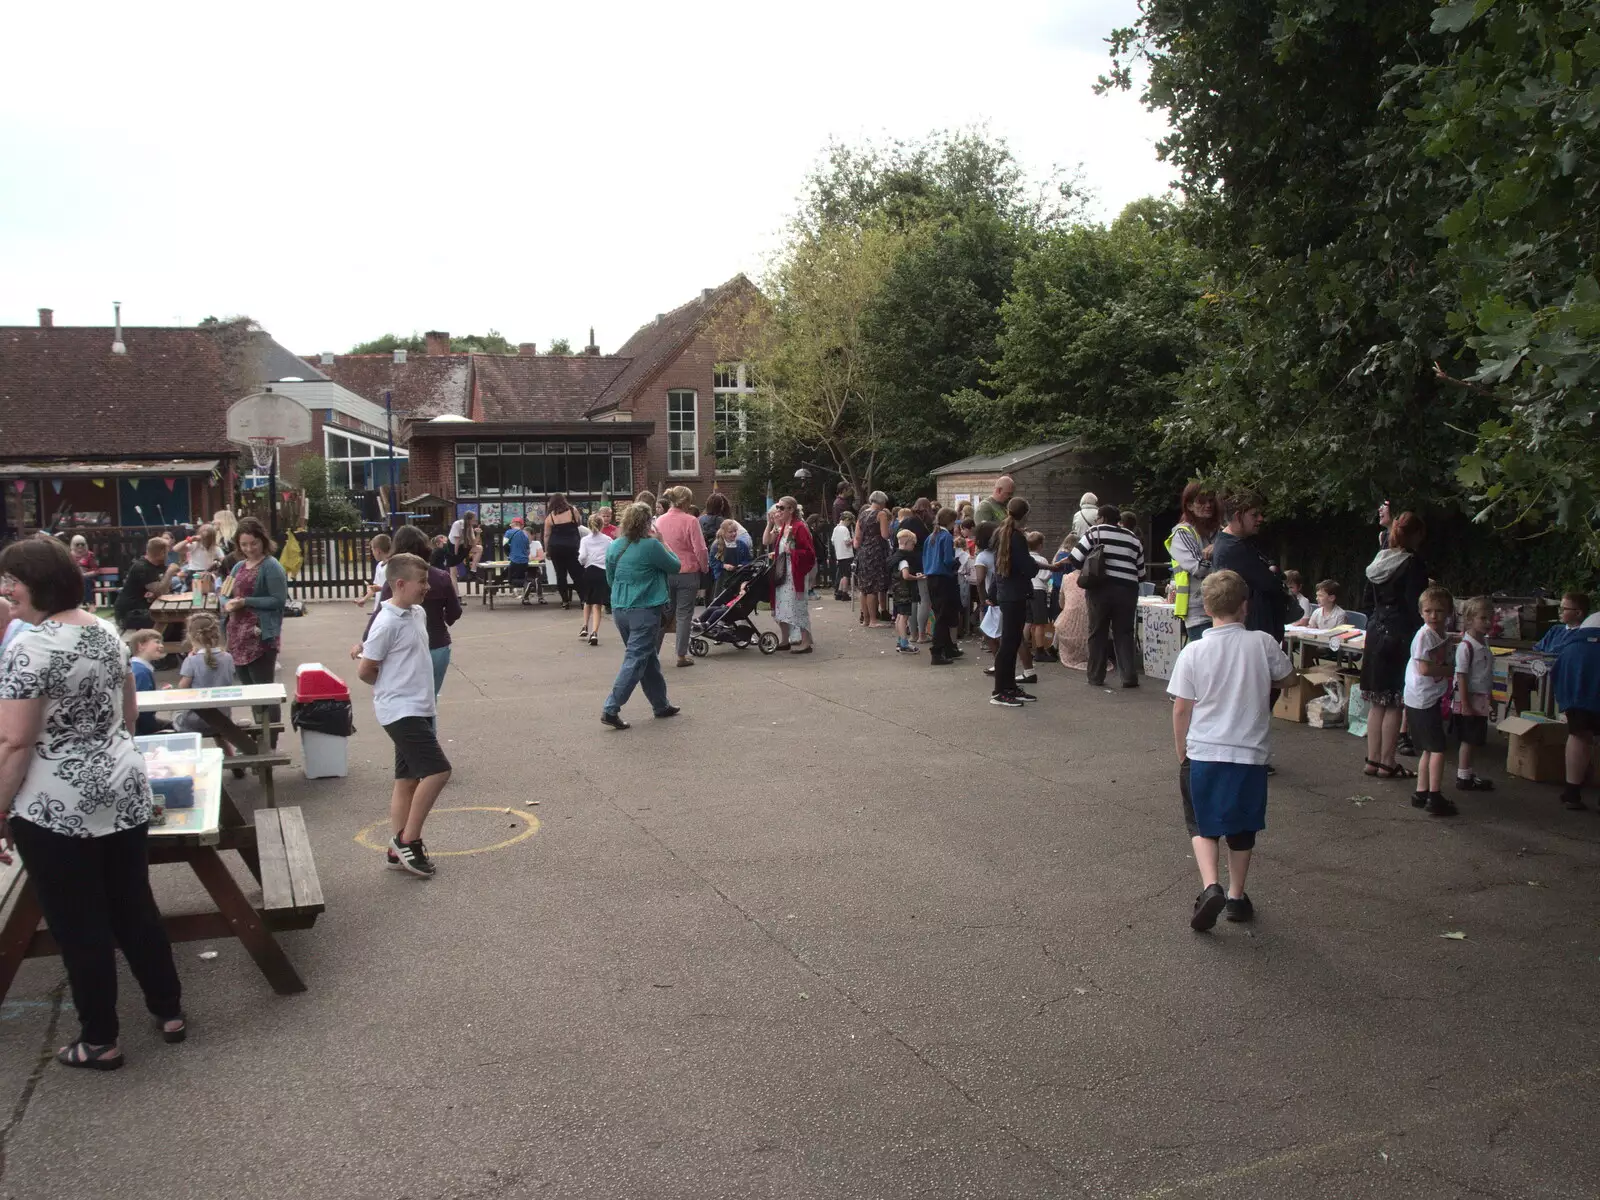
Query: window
x=358, y=463
x=732, y=383
x=683, y=456
x=585, y=471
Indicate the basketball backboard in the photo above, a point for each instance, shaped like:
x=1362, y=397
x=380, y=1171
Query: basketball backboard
x=269, y=417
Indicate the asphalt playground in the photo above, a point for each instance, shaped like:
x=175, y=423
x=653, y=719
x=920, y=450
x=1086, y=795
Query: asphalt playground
x=843, y=929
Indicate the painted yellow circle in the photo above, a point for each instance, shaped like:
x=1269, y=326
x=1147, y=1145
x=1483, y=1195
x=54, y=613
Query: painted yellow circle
x=380, y=828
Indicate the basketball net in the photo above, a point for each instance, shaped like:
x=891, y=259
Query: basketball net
x=264, y=452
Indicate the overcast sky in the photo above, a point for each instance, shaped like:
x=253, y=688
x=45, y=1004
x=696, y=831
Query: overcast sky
x=340, y=169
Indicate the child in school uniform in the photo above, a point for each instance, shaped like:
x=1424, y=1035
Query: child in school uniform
x=1327, y=614
x=207, y=665
x=380, y=546
x=1427, y=679
x=1040, y=625
x=396, y=662
x=1296, y=588
x=904, y=568
x=1470, y=706
x=1221, y=690
x=145, y=649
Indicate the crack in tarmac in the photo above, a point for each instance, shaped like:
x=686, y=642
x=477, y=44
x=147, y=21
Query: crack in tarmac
x=19, y=1110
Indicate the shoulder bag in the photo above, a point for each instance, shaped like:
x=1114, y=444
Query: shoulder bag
x=1093, y=573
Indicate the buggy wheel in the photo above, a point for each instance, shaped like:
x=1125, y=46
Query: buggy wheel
x=769, y=643
x=699, y=647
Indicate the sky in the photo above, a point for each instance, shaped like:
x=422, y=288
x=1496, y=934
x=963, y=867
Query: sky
x=342, y=169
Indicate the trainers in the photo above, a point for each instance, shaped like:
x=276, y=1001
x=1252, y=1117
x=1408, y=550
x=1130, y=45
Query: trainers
x=1474, y=783
x=939, y=660
x=1207, y=905
x=670, y=710
x=1022, y=695
x=1438, y=806
x=614, y=720
x=1572, y=798
x=1405, y=746
x=413, y=857
x=1240, y=909
x=1006, y=700
x=956, y=651
x=390, y=858
x=905, y=649
x=1419, y=799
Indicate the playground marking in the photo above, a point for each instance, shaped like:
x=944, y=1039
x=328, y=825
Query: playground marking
x=381, y=828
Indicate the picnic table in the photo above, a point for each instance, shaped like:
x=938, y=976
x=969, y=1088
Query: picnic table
x=171, y=613
x=257, y=743
x=276, y=850
x=492, y=576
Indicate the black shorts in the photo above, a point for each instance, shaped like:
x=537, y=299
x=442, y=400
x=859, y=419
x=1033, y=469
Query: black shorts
x=517, y=573
x=904, y=608
x=416, y=748
x=1470, y=731
x=1426, y=726
x=1039, y=608
x=1583, y=720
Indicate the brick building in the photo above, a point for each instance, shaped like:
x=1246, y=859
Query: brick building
x=497, y=434
x=1051, y=477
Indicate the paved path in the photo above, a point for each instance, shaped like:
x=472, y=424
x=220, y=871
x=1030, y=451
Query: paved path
x=844, y=929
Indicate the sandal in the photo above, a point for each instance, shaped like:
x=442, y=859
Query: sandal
x=1372, y=768
x=89, y=1056
x=1398, y=771
x=173, y=1036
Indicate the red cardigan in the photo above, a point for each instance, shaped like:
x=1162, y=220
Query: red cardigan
x=802, y=557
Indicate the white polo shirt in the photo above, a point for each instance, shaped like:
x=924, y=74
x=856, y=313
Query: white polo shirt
x=1229, y=675
x=399, y=640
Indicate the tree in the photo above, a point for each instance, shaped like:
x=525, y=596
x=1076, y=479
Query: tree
x=493, y=342
x=389, y=343
x=559, y=346
x=327, y=507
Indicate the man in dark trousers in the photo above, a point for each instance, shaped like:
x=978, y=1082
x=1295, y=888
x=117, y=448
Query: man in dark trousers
x=1236, y=550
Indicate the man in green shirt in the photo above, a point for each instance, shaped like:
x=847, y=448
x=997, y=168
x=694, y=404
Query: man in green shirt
x=994, y=508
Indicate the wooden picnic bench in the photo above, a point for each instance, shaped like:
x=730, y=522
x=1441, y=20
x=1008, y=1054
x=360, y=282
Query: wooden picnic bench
x=276, y=849
x=258, y=751
x=170, y=614
x=492, y=579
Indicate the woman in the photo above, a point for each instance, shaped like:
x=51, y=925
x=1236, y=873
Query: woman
x=1396, y=579
x=257, y=591
x=921, y=522
x=793, y=554
x=441, y=604
x=592, y=589
x=1014, y=570
x=680, y=532
x=844, y=553
x=717, y=511
x=88, y=566
x=637, y=567
x=82, y=800
x=1072, y=626
x=871, y=564
x=817, y=526
x=563, y=530
x=1189, y=546
x=466, y=544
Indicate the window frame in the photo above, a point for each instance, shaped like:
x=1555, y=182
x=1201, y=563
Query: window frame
x=730, y=400
x=676, y=448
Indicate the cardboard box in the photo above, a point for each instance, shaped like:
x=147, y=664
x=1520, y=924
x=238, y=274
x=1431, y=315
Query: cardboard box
x=1307, y=686
x=1537, y=750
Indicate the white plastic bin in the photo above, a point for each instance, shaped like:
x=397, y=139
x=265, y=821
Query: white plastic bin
x=327, y=756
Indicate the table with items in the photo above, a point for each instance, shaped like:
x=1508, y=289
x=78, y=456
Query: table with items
x=1159, y=635
x=256, y=743
x=170, y=614
x=193, y=825
x=495, y=579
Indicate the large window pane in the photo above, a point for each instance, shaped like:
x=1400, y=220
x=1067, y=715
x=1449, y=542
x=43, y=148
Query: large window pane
x=577, y=473
x=622, y=476
x=488, y=475
x=682, y=421
x=466, y=477
x=555, y=473
x=533, y=475
x=338, y=447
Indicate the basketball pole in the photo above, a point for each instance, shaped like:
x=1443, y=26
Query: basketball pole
x=272, y=497
x=394, y=488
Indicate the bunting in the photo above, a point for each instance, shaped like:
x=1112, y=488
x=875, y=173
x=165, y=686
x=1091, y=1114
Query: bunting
x=171, y=483
x=56, y=484
x=99, y=483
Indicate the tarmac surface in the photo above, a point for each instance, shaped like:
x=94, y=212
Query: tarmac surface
x=844, y=929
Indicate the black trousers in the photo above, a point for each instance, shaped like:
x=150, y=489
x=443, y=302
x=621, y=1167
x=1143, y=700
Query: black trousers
x=95, y=893
x=565, y=560
x=1013, y=615
x=263, y=670
x=1111, y=610
x=946, y=596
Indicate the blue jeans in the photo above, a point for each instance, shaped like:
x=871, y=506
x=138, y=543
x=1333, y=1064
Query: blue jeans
x=641, y=664
x=441, y=664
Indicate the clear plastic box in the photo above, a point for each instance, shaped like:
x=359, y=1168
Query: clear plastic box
x=170, y=747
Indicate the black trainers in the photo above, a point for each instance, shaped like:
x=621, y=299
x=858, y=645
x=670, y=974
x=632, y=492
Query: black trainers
x=1006, y=700
x=1438, y=806
x=1240, y=909
x=939, y=660
x=956, y=652
x=1572, y=798
x=670, y=710
x=1419, y=799
x=614, y=720
x=390, y=858
x=413, y=857
x=1206, y=907
x=1474, y=783
x=1405, y=746
x=1028, y=696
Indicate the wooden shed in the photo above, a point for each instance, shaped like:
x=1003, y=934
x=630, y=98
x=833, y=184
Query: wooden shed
x=1050, y=477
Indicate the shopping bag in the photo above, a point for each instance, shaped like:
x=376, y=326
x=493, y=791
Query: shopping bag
x=990, y=625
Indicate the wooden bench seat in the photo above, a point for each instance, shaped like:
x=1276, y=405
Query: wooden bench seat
x=291, y=893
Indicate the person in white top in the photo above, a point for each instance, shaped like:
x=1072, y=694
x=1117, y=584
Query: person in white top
x=396, y=662
x=380, y=547
x=1327, y=614
x=593, y=589
x=844, y=552
x=1221, y=689
x=1427, y=678
x=1474, y=680
x=202, y=552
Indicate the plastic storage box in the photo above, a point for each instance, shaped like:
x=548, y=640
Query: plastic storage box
x=171, y=760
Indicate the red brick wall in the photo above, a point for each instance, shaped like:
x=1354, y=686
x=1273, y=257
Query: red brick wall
x=433, y=467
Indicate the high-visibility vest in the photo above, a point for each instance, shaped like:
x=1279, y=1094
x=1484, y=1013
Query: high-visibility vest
x=1180, y=577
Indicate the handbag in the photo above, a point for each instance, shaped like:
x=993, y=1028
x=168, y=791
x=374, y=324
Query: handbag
x=990, y=625
x=1093, y=574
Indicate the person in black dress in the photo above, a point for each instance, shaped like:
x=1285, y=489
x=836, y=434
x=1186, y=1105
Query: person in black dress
x=1396, y=579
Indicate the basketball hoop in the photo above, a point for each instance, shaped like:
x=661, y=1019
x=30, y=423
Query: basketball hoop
x=264, y=451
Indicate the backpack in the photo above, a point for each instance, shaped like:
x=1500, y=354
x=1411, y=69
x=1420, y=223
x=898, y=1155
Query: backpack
x=1093, y=572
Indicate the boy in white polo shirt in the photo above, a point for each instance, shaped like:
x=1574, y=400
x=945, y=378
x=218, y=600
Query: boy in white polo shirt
x=395, y=660
x=1221, y=689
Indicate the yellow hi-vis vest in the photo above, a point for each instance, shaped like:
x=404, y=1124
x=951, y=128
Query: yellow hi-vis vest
x=1180, y=577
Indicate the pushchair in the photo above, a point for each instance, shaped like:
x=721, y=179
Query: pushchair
x=726, y=619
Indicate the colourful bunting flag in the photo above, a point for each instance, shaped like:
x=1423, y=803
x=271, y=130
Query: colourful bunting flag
x=99, y=483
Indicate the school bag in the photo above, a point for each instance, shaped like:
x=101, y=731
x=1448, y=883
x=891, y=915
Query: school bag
x=1093, y=572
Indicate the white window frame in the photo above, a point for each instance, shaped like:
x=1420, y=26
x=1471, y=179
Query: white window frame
x=731, y=401
x=675, y=437
x=374, y=450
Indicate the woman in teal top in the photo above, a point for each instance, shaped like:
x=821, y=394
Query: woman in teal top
x=637, y=568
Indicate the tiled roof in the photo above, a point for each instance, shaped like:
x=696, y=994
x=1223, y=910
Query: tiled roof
x=63, y=393
x=278, y=363
x=654, y=345
x=1011, y=460
x=424, y=386
x=542, y=387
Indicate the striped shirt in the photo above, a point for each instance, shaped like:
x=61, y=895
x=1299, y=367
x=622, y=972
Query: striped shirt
x=1124, y=552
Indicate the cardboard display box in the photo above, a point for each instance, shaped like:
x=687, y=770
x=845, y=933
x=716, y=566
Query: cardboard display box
x=1538, y=749
x=1307, y=686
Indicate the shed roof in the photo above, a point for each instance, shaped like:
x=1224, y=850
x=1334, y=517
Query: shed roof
x=1011, y=460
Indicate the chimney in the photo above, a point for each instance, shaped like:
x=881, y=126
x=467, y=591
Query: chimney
x=437, y=342
x=327, y=358
x=116, y=339
x=527, y=349
x=660, y=317
x=47, y=318
x=591, y=349
x=399, y=358
x=705, y=293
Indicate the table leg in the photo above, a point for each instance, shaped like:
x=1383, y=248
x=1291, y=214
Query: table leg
x=214, y=721
x=246, y=923
x=18, y=933
x=231, y=818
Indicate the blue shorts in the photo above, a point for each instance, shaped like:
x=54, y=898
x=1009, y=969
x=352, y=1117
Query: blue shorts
x=1222, y=798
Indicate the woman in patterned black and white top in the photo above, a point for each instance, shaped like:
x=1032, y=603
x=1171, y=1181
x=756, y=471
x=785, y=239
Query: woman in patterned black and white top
x=75, y=799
